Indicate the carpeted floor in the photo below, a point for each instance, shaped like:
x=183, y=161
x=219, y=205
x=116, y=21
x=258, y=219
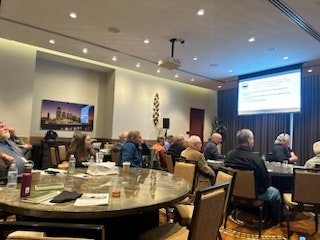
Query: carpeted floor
x=301, y=225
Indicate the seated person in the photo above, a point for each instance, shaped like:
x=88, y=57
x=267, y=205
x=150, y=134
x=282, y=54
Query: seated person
x=311, y=163
x=281, y=150
x=211, y=150
x=159, y=147
x=177, y=147
x=130, y=150
x=81, y=148
x=168, y=142
x=9, y=152
x=25, y=147
x=122, y=139
x=206, y=175
x=243, y=158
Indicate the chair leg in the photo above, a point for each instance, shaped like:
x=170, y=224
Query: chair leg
x=316, y=220
x=260, y=220
x=288, y=221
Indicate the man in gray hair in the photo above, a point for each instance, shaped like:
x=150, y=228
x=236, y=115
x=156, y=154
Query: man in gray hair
x=281, y=150
x=243, y=158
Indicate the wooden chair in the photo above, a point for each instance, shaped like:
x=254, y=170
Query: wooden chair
x=14, y=230
x=169, y=162
x=62, y=153
x=206, y=218
x=305, y=196
x=53, y=155
x=244, y=195
x=115, y=155
x=54, y=159
x=225, y=175
x=187, y=170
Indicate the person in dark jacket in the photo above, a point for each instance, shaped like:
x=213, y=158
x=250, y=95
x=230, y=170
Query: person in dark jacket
x=243, y=158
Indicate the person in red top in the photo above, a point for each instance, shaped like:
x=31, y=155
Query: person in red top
x=159, y=147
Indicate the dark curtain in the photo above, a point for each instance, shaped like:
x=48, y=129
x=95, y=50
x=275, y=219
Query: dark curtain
x=266, y=127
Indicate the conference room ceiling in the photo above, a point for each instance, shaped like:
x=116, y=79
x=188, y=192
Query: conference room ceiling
x=219, y=39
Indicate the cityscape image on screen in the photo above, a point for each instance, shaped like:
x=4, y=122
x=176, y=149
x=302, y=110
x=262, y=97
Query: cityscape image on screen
x=65, y=116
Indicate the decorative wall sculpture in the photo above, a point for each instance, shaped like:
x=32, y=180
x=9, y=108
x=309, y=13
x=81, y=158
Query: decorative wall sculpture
x=156, y=104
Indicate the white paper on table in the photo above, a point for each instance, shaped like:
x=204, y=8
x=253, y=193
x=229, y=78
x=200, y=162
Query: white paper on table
x=104, y=168
x=92, y=199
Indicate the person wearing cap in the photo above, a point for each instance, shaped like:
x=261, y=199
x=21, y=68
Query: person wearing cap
x=281, y=150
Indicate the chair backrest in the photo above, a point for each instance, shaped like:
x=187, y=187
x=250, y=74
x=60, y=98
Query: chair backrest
x=169, y=163
x=62, y=153
x=244, y=185
x=208, y=212
x=187, y=170
x=57, y=230
x=53, y=156
x=226, y=175
x=306, y=186
x=115, y=156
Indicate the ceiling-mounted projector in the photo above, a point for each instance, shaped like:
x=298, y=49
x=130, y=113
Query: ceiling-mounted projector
x=171, y=62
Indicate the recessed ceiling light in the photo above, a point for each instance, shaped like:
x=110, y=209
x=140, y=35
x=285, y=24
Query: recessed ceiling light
x=252, y=39
x=192, y=79
x=114, y=58
x=310, y=70
x=73, y=15
x=158, y=70
x=146, y=41
x=52, y=41
x=195, y=58
x=200, y=12
x=285, y=58
x=230, y=71
x=176, y=75
x=85, y=50
x=219, y=86
x=138, y=65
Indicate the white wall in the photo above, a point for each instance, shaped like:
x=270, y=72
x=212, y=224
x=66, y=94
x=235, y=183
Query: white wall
x=133, y=104
x=123, y=99
x=17, y=64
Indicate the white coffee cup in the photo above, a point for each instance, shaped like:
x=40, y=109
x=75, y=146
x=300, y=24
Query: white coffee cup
x=125, y=167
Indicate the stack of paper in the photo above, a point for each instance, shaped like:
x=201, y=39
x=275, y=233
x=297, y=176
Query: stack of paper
x=92, y=199
x=41, y=196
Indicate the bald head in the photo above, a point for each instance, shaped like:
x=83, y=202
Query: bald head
x=216, y=137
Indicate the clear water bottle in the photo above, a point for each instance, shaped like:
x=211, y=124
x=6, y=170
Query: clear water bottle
x=72, y=164
x=12, y=176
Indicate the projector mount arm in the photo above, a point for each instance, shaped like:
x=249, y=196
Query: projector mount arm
x=173, y=40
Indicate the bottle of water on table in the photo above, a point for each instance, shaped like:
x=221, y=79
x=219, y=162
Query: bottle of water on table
x=12, y=176
x=72, y=164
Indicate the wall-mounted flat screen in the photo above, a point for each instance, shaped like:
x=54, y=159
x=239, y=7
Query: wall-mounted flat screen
x=273, y=93
x=66, y=116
